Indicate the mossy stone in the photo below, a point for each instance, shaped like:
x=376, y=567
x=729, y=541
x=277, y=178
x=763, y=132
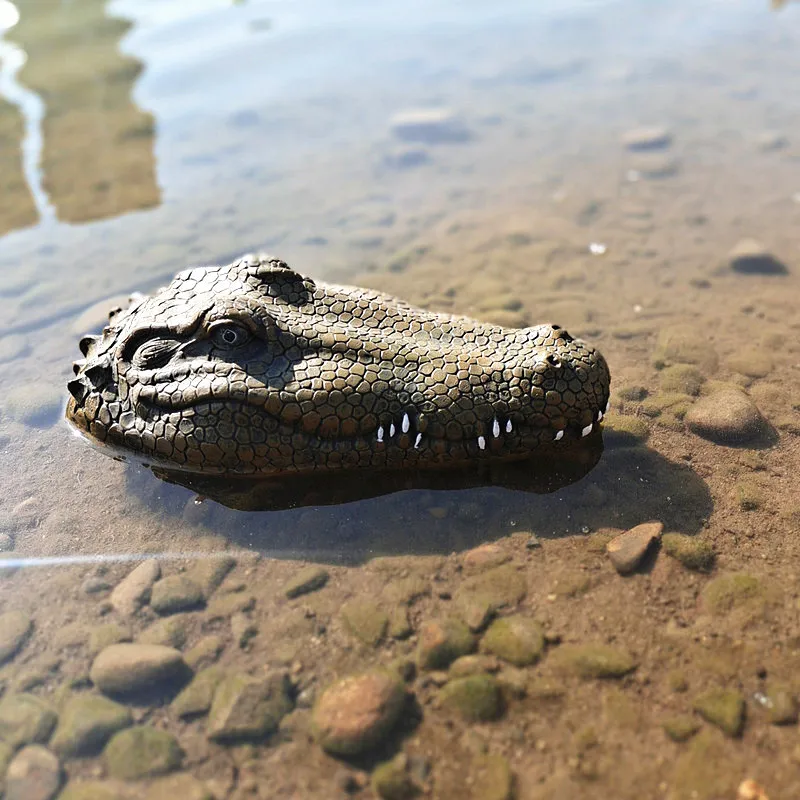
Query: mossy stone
x=682, y=345
x=516, y=639
x=392, y=780
x=248, y=708
x=175, y=593
x=749, y=495
x=632, y=393
x=492, y=778
x=681, y=728
x=86, y=723
x=723, y=708
x=306, y=580
x=479, y=596
x=25, y=719
x=693, y=552
x=142, y=752
x=91, y=790
x=676, y=404
x=734, y=590
x=15, y=629
x=681, y=379
x=169, y=632
x=478, y=698
x=442, y=641
x=781, y=705
x=594, y=660
x=102, y=636
x=702, y=772
x=196, y=698
x=625, y=429
x=180, y=785
x=365, y=620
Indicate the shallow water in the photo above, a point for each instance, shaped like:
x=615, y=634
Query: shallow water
x=138, y=138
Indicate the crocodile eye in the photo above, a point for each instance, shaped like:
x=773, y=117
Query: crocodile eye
x=154, y=353
x=229, y=334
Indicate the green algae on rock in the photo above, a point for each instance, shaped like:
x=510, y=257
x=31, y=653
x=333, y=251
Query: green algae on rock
x=248, y=708
x=356, y=713
x=365, y=620
x=15, y=628
x=392, y=779
x=593, y=660
x=733, y=591
x=723, y=708
x=25, y=719
x=680, y=728
x=625, y=429
x=478, y=698
x=196, y=697
x=307, y=579
x=681, y=379
x=86, y=723
x=693, y=552
x=492, y=778
x=516, y=639
x=442, y=641
x=176, y=593
x=142, y=752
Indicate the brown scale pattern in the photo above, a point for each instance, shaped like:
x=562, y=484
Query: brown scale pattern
x=254, y=369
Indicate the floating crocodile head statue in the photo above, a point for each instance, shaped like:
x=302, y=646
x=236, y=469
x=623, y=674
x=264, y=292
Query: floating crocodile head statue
x=255, y=370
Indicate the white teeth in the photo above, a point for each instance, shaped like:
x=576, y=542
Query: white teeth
x=391, y=430
x=599, y=416
x=406, y=423
x=496, y=428
x=417, y=441
x=380, y=433
x=559, y=436
x=587, y=430
x=608, y=405
x=509, y=426
x=481, y=443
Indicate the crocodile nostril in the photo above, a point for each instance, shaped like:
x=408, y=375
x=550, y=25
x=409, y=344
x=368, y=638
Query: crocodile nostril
x=86, y=343
x=98, y=374
x=77, y=366
x=78, y=389
x=553, y=361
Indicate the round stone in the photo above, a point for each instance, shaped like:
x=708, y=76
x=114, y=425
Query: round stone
x=142, y=752
x=751, y=257
x=647, y=138
x=15, y=627
x=727, y=416
x=33, y=774
x=123, y=668
x=357, y=712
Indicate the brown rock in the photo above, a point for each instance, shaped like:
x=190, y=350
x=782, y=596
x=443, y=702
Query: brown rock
x=727, y=416
x=133, y=591
x=751, y=257
x=628, y=549
x=357, y=712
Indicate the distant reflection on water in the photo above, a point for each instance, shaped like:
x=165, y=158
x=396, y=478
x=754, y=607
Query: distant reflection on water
x=75, y=146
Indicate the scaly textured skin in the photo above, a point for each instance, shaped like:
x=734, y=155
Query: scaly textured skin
x=253, y=369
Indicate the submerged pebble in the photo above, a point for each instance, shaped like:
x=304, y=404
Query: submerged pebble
x=652, y=137
x=728, y=416
x=627, y=550
x=751, y=257
x=33, y=774
x=429, y=126
x=356, y=713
